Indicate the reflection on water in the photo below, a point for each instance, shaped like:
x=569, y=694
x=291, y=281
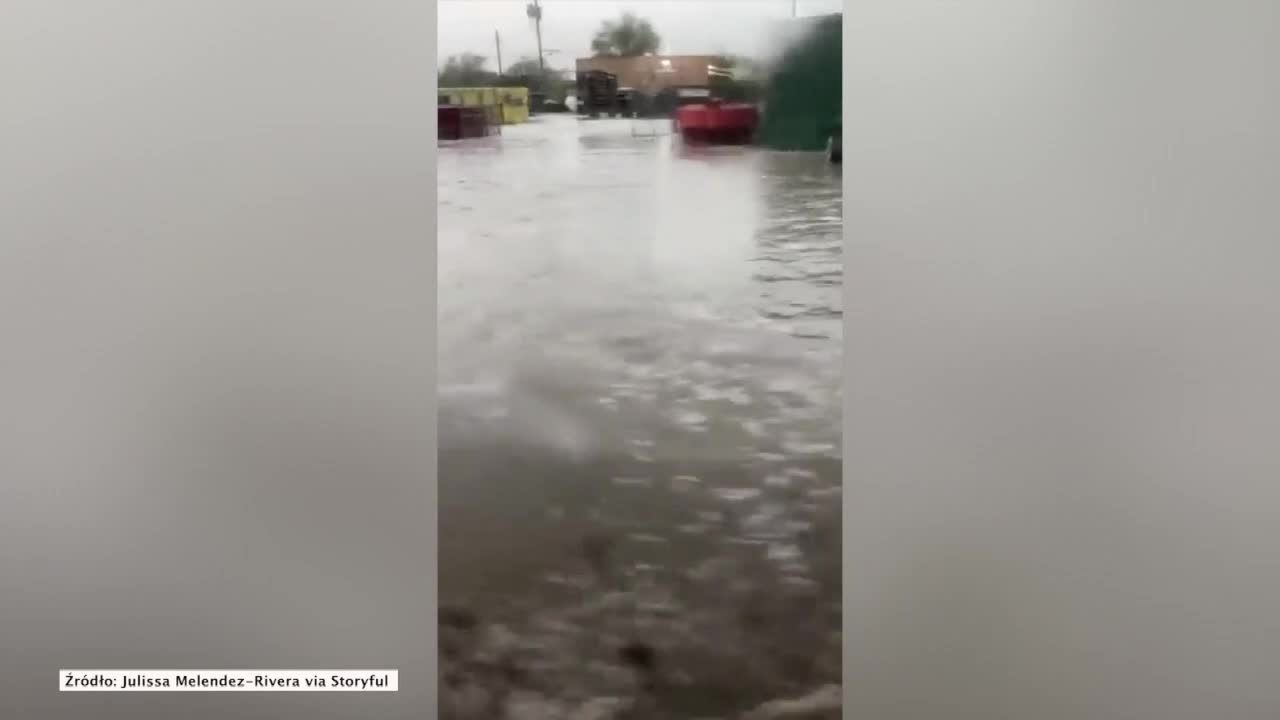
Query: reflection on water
x=640, y=424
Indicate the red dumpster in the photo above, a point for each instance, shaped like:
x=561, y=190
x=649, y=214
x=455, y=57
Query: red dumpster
x=456, y=122
x=717, y=123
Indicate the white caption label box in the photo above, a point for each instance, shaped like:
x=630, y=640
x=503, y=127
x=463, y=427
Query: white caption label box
x=228, y=680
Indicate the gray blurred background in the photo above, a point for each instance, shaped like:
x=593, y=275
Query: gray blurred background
x=216, y=379
x=1061, y=491
x=215, y=303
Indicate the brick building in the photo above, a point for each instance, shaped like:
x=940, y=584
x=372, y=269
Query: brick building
x=650, y=74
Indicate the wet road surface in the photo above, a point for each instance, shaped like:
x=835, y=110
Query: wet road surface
x=639, y=420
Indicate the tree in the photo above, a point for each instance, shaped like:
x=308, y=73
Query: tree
x=527, y=68
x=465, y=70
x=526, y=73
x=626, y=37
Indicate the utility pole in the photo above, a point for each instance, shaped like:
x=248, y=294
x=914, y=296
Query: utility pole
x=497, y=42
x=793, y=8
x=534, y=11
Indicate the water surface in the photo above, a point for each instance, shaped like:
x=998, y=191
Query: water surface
x=640, y=408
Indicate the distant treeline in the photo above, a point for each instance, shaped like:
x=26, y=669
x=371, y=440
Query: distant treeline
x=469, y=70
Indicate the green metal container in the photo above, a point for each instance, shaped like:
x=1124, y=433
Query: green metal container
x=803, y=102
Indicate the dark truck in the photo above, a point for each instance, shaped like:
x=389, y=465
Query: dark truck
x=597, y=93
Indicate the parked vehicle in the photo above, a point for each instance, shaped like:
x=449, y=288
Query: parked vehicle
x=597, y=93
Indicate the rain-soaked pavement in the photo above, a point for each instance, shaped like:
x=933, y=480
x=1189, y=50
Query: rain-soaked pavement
x=639, y=424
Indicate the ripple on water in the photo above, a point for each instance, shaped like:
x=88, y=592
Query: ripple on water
x=738, y=494
x=685, y=483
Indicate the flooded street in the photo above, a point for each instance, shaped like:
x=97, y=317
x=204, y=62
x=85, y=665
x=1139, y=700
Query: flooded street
x=639, y=421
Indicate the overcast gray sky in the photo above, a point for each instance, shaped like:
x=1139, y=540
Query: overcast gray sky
x=686, y=26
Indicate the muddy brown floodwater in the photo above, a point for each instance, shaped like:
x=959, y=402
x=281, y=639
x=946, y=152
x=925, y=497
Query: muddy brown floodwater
x=639, y=440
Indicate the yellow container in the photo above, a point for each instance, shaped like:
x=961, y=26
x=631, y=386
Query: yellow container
x=508, y=105
x=515, y=104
